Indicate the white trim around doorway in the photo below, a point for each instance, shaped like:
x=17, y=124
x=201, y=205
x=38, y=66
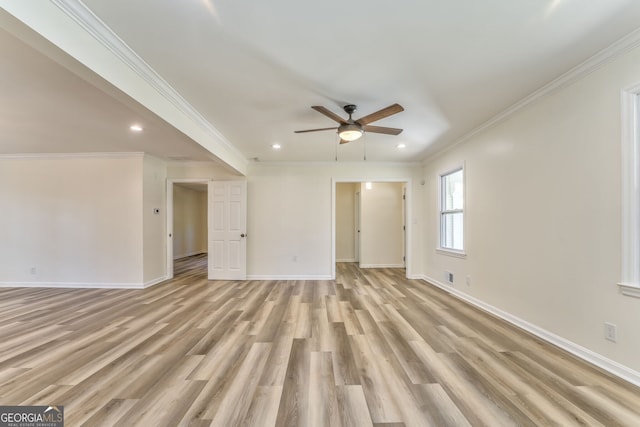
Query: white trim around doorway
x=407, y=219
x=169, y=224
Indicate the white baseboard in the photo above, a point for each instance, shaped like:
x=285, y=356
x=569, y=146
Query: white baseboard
x=83, y=285
x=346, y=260
x=381, y=265
x=72, y=285
x=286, y=277
x=153, y=282
x=583, y=353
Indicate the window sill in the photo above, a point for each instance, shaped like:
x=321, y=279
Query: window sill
x=629, y=290
x=451, y=252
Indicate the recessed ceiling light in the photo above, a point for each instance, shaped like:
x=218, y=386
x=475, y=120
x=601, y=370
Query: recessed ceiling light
x=401, y=145
x=136, y=128
x=276, y=146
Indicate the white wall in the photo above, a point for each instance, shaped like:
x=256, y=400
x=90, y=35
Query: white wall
x=154, y=229
x=345, y=221
x=189, y=222
x=76, y=220
x=290, y=215
x=381, y=225
x=288, y=225
x=543, y=218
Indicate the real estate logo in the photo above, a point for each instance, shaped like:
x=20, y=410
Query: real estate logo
x=31, y=416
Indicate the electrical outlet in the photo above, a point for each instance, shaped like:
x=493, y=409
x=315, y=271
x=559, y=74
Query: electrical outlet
x=610, y=332
x=468, y=280
x=34, y=270
x=448, y=276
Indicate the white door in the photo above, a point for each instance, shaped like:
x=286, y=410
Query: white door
x=227, y=220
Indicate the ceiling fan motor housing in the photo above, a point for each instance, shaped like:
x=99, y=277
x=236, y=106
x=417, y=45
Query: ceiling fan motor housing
x=349, y=109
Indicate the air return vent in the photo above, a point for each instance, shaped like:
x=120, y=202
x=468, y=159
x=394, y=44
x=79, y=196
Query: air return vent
x=448, y=276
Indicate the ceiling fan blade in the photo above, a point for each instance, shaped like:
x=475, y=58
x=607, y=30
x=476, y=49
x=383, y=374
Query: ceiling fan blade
x=313, y=130
x=333, y=116
x=382, y=129
x=380, y=114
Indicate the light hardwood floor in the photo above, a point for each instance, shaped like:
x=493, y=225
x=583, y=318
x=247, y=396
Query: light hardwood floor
x=371, y=348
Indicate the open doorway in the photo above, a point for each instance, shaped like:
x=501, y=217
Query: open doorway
x=370, y=224
x=187, y=205
x=347, y=214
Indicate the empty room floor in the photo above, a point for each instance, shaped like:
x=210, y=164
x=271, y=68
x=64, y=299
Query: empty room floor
x=368, y=349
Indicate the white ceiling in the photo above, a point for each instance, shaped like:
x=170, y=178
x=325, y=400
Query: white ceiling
x=253, y=70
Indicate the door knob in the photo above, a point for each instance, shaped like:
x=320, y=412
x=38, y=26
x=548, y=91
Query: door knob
x=243, y=235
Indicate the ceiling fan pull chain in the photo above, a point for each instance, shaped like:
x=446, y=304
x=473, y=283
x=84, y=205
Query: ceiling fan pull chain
x=364, y=144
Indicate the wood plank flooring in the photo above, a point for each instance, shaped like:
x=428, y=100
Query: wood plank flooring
x=369, y=349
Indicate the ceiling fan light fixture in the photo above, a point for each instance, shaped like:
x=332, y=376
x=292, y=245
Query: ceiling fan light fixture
x=350, y=129
x=350, y=132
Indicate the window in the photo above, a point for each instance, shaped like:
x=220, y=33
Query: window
x=452, y=211
x=630, y=283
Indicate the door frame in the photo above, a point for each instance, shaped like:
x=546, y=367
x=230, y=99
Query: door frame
x=407, y=218
x=357, y=218
x=404, y=225
x=169, y=210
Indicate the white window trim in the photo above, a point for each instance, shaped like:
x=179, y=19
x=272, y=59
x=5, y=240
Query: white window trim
x=630, y=282
x=451, y=252
x=440, y=249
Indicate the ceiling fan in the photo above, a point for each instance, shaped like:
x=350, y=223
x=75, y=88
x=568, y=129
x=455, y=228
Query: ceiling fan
x=350, y=130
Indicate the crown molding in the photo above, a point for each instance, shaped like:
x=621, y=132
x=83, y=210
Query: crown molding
x=99, y=30
x=207, y=163
x=338, y=163
x=132, y=155
x=603, y=57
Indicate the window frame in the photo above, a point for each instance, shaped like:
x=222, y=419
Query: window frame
x=460, y=253
x=630, y=269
